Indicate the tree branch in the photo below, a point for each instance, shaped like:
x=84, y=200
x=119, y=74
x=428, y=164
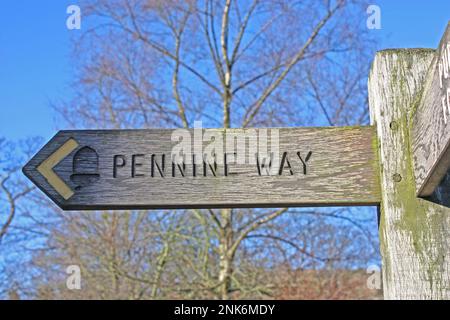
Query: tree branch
x=257, y=106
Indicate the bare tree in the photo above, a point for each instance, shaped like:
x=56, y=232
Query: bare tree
x=13, y=186
x=230, y=63
x=15, y=223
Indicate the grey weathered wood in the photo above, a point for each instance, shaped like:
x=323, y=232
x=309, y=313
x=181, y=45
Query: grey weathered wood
x=342, y=170
x=431, y=124
x=414, y=232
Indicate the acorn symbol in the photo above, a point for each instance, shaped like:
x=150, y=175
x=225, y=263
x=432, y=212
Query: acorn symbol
x=85, y=167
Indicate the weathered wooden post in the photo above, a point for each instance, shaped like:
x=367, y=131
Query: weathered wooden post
x=414, y=232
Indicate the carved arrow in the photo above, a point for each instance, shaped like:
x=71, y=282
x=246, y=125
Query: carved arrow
x=46, y=168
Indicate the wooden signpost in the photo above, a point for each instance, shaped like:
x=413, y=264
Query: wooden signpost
x=393, y=164
x=413, y=136
x=431, y=124
x=82, y=170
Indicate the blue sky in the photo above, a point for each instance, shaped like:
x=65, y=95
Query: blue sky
x=35, y=54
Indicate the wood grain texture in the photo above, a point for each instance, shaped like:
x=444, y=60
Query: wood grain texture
x=431, y=125
x=414, y=232
x=341, y=170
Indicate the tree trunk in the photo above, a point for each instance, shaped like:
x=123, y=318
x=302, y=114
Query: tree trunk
x=226, y=257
